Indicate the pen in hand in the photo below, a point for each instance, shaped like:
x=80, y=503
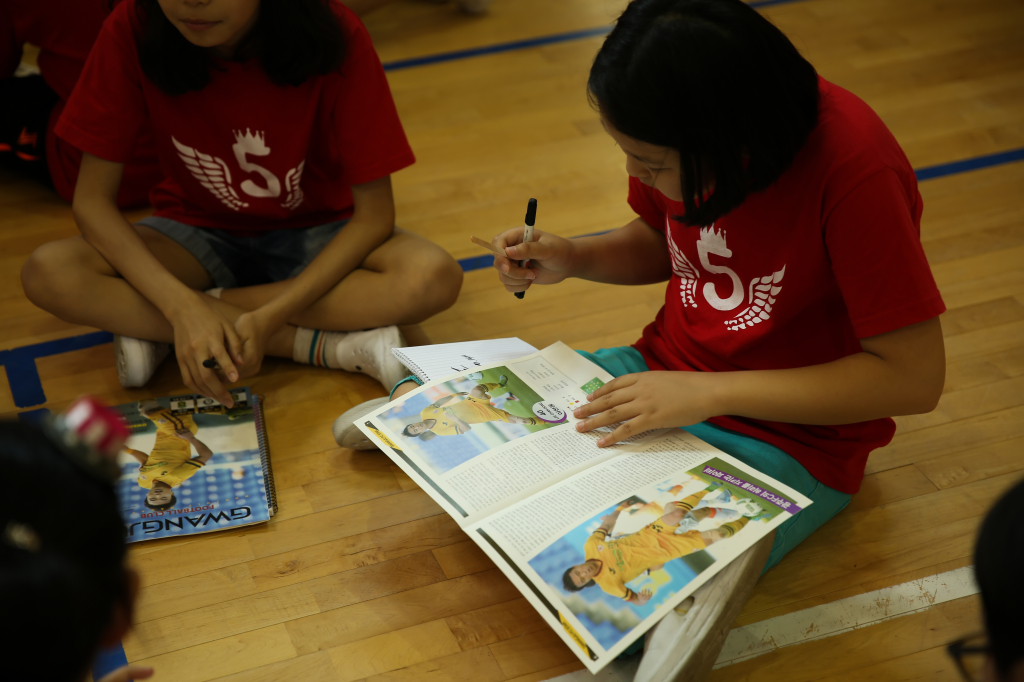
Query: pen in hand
x=531, y=218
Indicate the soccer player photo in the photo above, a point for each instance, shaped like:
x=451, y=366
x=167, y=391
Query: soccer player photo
x=457, y=420
x=615, y=569
x=185, y=453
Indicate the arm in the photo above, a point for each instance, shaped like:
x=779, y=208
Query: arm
x=900, y=372
x=139, y=456
x=199, y=332
x=202, y=450
x=634, y=254
x=640, y=599
x=372, y=224
x=608, y=522
x=441, y=402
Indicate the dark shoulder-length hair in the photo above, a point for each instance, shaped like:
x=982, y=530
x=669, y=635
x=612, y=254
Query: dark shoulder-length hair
x=62, y=555
x=294, y=40
x=714, y=80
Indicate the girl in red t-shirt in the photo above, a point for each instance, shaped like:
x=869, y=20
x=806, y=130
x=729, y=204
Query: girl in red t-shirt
x=801, y=313
x=277, y=135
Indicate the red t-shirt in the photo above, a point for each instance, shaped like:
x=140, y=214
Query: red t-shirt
x=244, y=154
x=64, y=31
x=829, y=254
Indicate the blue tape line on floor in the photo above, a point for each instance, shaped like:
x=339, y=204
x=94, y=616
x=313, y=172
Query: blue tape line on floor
x=943, y=169
x=20, y=363
x=108, y=660
x=526, y=43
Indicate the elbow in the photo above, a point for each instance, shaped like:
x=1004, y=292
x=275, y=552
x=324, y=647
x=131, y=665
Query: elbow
x=928, y=392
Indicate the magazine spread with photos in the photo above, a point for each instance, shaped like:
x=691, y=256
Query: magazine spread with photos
x=602, y=541
x=192, y=465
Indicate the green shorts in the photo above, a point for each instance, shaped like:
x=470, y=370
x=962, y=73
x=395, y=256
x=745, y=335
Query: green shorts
x=762, y=456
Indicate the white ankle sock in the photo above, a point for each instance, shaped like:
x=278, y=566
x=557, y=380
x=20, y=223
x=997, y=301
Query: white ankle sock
x=316, y=347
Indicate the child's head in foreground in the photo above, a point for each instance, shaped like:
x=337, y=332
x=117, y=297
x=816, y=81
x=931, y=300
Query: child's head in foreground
x=64, y=588
x=707, y=98
x=999, y=570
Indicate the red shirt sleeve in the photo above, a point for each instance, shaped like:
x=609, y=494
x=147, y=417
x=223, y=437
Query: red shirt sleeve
x=641, y=200
x=367, y=132
x=874, y=241
x=107, y=107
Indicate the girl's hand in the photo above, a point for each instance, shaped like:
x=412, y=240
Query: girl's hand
x=201, y=333
x=253, y=334
x=551, y=259
x=648, y=400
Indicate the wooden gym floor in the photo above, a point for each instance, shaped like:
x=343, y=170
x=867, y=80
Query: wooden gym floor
x=362, y=577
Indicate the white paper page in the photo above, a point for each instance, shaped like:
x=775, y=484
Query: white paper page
x=443, y=359
x=650, y=545
x=499, y=459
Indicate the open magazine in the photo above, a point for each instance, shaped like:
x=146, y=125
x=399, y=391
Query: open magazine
x=192, y=465
x=602, y=541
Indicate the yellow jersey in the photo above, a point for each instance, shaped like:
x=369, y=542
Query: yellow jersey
x=171, y=460
x=628, y=557
x=470, y=410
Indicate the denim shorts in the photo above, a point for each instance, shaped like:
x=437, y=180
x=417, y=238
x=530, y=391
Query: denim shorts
x=235, y=261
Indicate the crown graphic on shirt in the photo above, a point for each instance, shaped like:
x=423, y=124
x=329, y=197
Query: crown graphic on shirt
x=712, y=238
x=250, y=140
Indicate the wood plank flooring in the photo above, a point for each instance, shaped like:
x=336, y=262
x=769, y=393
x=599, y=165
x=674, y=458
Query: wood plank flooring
x=362, y=577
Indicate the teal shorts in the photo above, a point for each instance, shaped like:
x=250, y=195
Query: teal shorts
x=764, y=457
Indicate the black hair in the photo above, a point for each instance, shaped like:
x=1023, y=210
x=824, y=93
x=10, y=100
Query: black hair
x=294, y=40
x=61, y=572
x=717, y=82
x=998, y=558
x=161, y=507
x=425, y=436
x=569, y=585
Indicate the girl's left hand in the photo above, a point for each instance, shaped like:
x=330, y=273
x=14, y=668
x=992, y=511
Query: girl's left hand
x=648, y=400
x=253, y=333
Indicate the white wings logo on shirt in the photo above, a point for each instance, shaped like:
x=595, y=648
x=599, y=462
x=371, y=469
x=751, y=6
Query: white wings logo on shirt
x=212, y=173
x=291, y=184
x=763, y=291
x=760, y=295
x=683, y=269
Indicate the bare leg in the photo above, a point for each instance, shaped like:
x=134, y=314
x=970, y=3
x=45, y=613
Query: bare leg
x=70, y=279
x=403, y=281
x=684, y=647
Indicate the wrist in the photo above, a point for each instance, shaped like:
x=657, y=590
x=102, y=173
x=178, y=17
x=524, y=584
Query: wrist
x=720, y=392
x=179, y=304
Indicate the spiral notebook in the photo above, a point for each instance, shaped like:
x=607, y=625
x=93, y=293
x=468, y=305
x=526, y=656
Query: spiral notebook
x=440, y=360
x=192, y=465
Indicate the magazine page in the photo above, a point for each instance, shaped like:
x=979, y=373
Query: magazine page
x=605, y=554
x=481, y=440
x=191, y=465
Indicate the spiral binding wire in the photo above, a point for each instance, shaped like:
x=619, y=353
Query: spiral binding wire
x=268, y=470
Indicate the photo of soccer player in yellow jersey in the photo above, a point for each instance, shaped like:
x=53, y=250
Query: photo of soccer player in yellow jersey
x=628, y=558
x=448, y=423
x=610, y=564
x=170, y=461
x=455, y=414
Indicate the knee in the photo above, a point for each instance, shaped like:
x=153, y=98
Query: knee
x=438, y=282
x=48, y=275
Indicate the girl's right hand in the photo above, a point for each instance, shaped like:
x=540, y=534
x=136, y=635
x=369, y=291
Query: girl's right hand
x=201, y=333
x=551, y=259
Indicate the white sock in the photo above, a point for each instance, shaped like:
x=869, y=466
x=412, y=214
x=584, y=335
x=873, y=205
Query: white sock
x=215, y=292
x=316, y=347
